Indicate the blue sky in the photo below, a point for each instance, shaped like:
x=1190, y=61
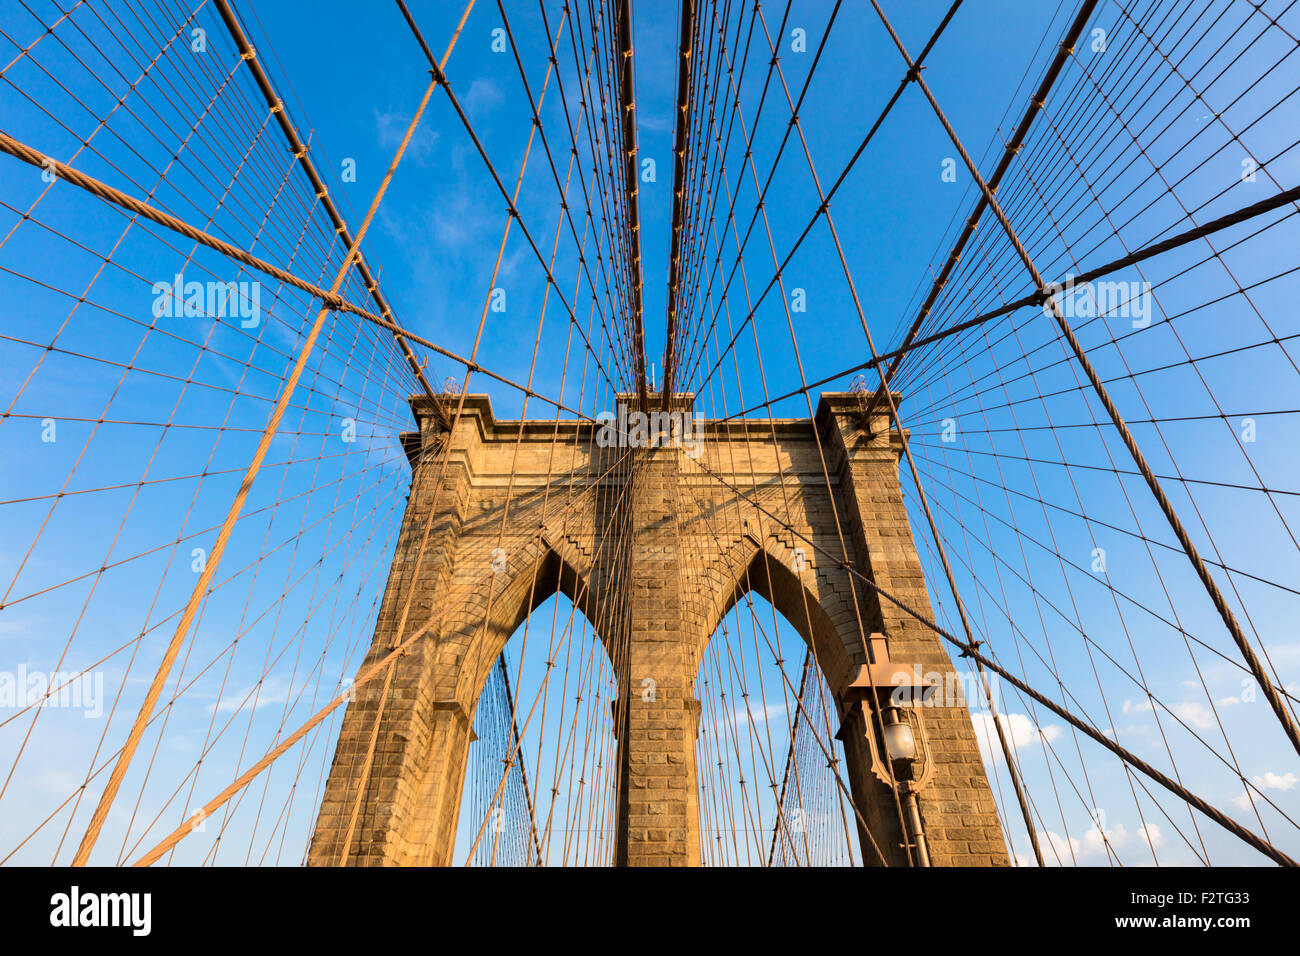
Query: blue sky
x=352, y=80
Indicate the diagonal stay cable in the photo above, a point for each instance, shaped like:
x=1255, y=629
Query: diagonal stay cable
x=441, y=79
x=201, y=585
x=332, y=299
x=967, y=650
x=1103, y=395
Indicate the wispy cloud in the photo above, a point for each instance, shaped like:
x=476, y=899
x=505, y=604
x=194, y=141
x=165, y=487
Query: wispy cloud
x=482, y=95
x=272, y=690
x=1191, y=712
x=1092, y=846
x=740, y=717
x=391, y=126
x=1266, y=781
x=1020, y=731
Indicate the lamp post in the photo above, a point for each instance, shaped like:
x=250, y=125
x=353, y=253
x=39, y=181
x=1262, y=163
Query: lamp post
x=900, y=746
x=900, y=751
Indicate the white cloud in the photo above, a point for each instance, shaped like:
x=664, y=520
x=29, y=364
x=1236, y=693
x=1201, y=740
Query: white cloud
x=390, y=129
x=1152, y=836
x=1059, y=850
x=759, y=715
x=1189, y=711
x=1284, y=655
x=1198, y=715
x=1091, y=847
x=1268, y=781
x=273, y=690
x=738, y=720
x=1273, y=781
x=1128, y=730
x=22, y=626
x=1119, y=838
x=1020, y=731
x=483, y=94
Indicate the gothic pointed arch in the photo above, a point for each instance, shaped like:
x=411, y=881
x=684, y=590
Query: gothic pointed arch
x=808, y=590
x=653, y=546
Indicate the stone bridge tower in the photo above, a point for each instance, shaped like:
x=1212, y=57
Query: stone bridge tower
x=654, y=546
